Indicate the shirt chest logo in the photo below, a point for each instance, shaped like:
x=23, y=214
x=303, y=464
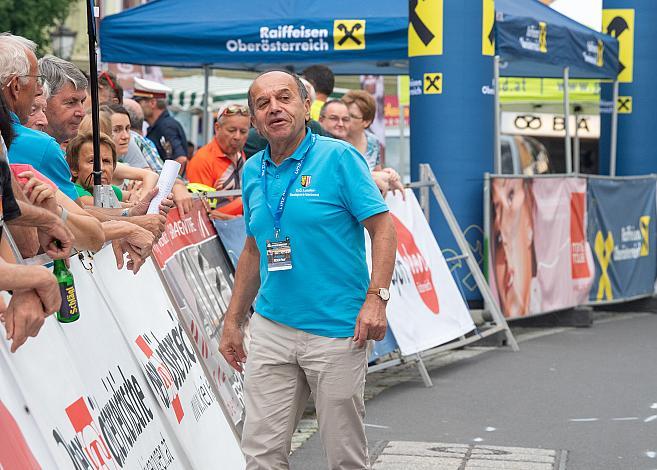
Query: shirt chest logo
x=304, y=189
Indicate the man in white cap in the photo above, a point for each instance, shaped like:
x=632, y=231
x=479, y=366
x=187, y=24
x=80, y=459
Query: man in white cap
x=164, y=130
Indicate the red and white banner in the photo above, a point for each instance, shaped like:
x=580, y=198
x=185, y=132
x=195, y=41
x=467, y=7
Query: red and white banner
x=539, y=258
x=198, y=274
x=426, y=308
x=86, y=393
x=149, y=323
x=119, y=388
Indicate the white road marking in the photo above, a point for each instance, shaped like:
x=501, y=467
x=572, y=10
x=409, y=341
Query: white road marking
x=376, y=426
x=653, y=406
x=490, y=429
x=651, y=455
x=650, y=418
x=628, y=418
x=583, y=420
x=478, y=439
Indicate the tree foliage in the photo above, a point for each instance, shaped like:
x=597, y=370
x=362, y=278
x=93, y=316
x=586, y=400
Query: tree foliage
x=33, y=19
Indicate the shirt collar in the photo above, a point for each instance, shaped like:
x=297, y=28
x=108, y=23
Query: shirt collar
x=300, y=150
x=14, y=117
x=164, y=114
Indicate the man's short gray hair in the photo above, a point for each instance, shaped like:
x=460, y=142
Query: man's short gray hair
x=13, y=57
x=303, y=92
x=58, y=72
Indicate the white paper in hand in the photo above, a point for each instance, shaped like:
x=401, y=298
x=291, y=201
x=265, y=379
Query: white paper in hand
x=165, y=183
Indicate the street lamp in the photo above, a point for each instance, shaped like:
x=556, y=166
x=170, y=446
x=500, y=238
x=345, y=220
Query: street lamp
x=63, y=40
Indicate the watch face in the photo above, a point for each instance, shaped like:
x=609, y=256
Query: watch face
x=384, y=293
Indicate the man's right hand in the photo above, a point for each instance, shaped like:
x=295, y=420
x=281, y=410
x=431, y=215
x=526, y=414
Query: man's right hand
x=231, y=346
x=55, y=238
x=24, y=317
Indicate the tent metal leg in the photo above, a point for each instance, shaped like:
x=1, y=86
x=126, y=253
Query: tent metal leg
x=206, y=104
x=566, y=119
x=614, y=132
x=496, y=119
x=576, y=145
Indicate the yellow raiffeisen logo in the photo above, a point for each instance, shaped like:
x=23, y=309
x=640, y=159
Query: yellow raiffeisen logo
x=604, y=249
x=542, y=38
x=644, y=226
x=433, y=83
x=619, y=23
x=425, y=29
x=535, y=38
x=594, y=53
x=601, y=53
x=348, y=35
x=488, y=27
x=624, y=105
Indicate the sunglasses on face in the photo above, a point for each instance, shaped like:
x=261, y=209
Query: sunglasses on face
x=234, y=109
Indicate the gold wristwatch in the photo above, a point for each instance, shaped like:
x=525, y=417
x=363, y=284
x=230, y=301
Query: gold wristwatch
x=382, y=292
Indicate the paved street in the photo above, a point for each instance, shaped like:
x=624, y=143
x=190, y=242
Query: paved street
x=572, y=398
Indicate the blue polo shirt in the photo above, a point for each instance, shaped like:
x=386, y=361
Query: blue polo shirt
x=38, y=149
x=323, y=292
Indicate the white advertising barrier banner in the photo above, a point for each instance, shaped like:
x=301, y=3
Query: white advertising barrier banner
x=200, y=279
x=84, y=389
x=21, y=445
x=149, y=323
x=426, y=308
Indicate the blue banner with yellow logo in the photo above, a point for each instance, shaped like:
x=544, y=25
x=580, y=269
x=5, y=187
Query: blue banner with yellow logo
x=360, y=37
x=622, y=235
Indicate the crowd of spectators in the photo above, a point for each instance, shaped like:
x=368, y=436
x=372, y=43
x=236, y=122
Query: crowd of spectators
x=46, y=181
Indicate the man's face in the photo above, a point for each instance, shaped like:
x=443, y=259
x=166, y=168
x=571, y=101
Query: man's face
x=23, y=89
x=231, y=133
x=65, y=112
x=86, y=165
x=336, y=120
x=147, y=106
x=512, y=244
x=280, y=113
x=37, y=117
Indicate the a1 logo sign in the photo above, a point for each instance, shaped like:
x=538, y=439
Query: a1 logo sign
x=414, y=260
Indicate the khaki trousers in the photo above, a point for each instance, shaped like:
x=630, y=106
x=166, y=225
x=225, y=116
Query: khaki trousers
x=283, y=366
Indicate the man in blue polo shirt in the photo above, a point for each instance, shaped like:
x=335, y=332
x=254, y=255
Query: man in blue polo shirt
x=306, y=201
x=29, y=146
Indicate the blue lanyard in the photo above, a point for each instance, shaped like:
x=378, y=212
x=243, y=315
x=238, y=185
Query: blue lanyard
x=278, y=213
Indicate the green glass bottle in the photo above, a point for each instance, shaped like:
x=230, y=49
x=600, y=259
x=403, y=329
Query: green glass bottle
x=69, y=311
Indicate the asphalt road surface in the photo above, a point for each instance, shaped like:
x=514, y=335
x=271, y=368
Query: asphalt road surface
x=589, y=391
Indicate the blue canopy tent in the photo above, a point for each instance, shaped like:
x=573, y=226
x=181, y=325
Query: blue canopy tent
x=351, y=37
x=366, y=37
x=533, y=40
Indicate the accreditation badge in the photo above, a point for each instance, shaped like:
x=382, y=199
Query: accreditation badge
x=279, y=255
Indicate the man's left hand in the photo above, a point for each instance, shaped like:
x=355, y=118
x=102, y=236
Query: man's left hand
x=371, y=322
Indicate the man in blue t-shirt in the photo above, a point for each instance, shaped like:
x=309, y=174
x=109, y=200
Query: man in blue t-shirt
x=306, y=200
